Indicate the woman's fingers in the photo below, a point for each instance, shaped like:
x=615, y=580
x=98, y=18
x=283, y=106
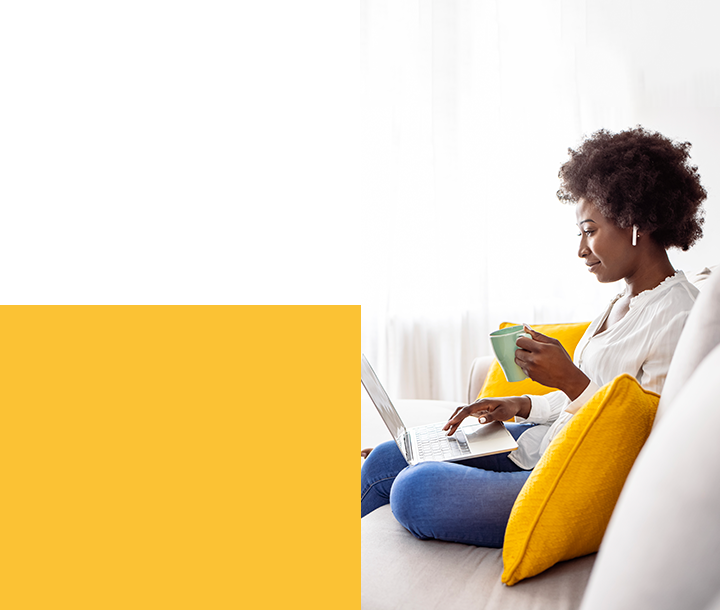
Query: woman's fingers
x=524, y=359
x=537, y=341
x=456, y=411
x=540, y=351
x=539, y=337
x=482, y=412
x=468, y=411
x=457, y=417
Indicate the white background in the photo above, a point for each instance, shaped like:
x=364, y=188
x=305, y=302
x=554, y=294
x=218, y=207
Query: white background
x=400, y=155
x=179, y=152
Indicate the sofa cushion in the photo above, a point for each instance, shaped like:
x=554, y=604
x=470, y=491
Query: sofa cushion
x=566, y=503
x=495, y=383
x=700, y=335
x=400, y=571
x=662, y=547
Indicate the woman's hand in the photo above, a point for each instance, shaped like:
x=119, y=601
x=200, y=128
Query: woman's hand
x=545, y=360
x=490, y=409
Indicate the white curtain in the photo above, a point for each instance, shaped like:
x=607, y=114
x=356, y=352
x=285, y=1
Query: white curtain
x=468, y=110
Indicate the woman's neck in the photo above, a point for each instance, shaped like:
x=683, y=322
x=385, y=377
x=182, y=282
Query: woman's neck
x=650, y=274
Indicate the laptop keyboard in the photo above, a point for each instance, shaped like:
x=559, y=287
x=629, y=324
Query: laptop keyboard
x=434, y=444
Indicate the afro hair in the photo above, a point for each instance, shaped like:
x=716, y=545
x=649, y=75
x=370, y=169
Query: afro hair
x=638, y=177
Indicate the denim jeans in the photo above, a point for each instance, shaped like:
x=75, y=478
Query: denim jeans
x=468, y=501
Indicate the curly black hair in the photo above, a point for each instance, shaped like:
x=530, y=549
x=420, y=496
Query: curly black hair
x=638, y=177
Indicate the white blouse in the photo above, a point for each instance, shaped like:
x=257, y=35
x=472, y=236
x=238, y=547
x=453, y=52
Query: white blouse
x=640, y=344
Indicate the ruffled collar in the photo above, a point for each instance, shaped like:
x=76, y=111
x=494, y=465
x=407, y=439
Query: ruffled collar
x=678, y=276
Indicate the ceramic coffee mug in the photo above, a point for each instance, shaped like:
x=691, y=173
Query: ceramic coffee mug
x=503, y=343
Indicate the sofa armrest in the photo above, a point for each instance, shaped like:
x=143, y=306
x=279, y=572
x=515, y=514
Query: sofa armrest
x=478, y=371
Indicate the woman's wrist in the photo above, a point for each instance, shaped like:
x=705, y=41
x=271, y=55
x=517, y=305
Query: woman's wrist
x=576, y=384
x=525, y=407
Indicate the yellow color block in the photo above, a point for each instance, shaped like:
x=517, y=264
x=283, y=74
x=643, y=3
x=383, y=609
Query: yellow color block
x=179, y=456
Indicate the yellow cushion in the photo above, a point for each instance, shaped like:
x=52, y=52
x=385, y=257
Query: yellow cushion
x=565, y=505
x=495, y=383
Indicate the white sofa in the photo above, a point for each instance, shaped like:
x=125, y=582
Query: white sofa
x=661, y=549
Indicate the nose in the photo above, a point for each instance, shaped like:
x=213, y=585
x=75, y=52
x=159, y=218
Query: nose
x=583, y=250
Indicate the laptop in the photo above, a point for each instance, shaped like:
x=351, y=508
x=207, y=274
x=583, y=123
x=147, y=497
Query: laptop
x=430, y=443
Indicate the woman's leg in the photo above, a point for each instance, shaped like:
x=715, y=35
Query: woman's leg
x=452, y=502
x=385, y=462
x=377, y=475
x=449, y=501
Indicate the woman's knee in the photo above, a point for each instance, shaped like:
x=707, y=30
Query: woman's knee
x=454, y=502
x=384, y=460
x=383, y=452
x=416, y=497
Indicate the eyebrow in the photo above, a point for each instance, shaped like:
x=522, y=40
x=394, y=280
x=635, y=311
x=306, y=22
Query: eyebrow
x=586, y=220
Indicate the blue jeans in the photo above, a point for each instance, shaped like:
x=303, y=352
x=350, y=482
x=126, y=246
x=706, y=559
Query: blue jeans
x=468, y=501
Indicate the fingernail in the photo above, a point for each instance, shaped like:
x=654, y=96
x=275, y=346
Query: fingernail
x=482, y=420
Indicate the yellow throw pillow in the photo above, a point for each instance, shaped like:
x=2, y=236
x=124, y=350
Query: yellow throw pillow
x=565, y=505
x=495, y=383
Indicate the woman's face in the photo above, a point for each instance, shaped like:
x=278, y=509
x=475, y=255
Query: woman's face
x=606, y=248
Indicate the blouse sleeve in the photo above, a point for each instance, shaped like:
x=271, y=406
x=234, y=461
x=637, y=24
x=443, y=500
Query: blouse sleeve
x=654, y=370
x=545, y=409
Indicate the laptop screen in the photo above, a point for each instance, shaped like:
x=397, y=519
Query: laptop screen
x=382, y=401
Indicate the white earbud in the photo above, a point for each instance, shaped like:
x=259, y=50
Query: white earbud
x=634, y=242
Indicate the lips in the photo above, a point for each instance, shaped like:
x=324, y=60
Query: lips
x=591, y=266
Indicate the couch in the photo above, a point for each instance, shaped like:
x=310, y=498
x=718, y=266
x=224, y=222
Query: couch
x=661, y=549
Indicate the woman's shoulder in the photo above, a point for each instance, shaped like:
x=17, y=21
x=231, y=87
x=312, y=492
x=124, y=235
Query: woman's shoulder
x=682, y=290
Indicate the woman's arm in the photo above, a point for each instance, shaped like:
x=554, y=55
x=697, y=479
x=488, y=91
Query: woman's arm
x=544, y=360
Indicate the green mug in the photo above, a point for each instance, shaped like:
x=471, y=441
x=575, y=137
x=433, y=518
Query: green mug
x=503, y=343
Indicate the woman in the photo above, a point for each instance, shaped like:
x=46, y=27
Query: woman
x=637, y=195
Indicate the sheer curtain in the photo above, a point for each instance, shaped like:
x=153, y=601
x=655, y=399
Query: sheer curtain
x=468, y=111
